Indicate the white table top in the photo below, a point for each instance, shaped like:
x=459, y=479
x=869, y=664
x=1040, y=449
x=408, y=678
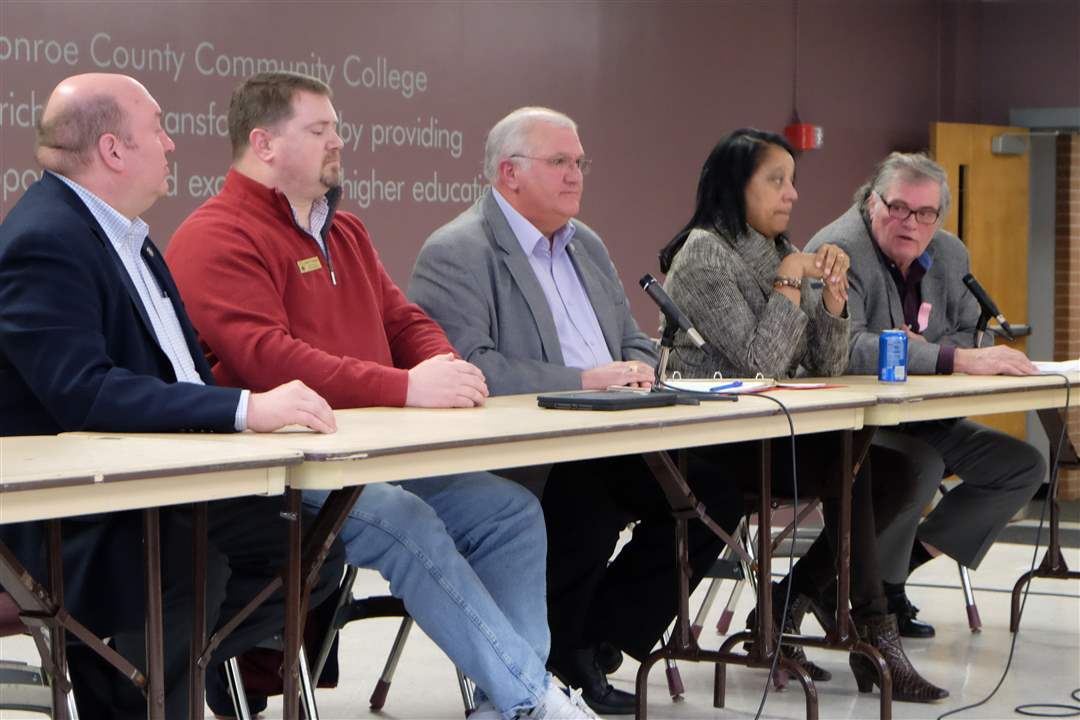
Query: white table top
x=932, y=397
x=61, y=476
x=382, y=444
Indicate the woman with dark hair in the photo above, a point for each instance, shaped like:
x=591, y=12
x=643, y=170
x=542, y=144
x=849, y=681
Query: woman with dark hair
x=747, y=290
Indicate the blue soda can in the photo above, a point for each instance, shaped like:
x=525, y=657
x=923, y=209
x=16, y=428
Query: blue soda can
x=892, y=356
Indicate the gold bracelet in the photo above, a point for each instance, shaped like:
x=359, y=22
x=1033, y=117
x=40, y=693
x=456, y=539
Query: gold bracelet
x=781, y=282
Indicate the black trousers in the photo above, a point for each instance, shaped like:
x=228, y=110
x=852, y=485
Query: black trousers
x=631, y=600
x=247, y=548
x=882, y=489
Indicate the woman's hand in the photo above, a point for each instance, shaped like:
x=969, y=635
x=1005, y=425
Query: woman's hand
x=831, y=264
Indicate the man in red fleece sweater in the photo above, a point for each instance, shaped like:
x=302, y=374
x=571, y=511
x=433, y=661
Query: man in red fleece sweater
x=282, y=286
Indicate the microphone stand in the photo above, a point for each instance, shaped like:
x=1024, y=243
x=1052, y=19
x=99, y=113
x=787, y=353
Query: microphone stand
x=980, y=327
x=667, y=342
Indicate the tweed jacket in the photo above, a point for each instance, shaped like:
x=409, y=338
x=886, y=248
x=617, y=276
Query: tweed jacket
x=874, y=301
x=474, y=279
x=725, y=288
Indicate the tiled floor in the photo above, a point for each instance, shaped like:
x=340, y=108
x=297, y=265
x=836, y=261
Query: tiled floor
x=1045, y=669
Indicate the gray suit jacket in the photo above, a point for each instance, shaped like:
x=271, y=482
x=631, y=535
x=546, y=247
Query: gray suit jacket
x=473, y=278
x=874, y=301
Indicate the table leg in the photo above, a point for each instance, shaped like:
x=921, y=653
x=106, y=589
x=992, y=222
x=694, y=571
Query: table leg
x=843, y=550
x=155, y=686
x=305, y=559
x=766, y=645
x=293, y=620
x=298, y=578
x=1053, y=564
x=683, y=645
x=197, y=671
x=57, y=636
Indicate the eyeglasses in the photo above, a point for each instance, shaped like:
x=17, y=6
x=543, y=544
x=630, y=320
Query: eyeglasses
x=900, y=211
x=562, y=163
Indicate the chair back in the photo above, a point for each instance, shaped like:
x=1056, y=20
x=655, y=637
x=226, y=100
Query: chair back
x=10, y=624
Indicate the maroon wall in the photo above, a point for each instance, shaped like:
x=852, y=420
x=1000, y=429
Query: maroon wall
x=652, y=85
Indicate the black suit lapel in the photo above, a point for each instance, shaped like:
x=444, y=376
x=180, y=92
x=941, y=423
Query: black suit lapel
x=160, y=270
x=68, y=195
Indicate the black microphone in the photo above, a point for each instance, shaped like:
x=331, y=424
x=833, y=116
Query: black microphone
x=670, y=309
x=987, y=304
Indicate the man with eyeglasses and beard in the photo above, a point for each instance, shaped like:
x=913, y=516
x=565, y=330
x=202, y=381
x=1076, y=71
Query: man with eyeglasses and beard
x=906, y=273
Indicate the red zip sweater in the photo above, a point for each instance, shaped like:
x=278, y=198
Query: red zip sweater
x=271, y=307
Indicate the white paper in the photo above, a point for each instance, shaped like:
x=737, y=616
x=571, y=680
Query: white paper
x=1068, y=366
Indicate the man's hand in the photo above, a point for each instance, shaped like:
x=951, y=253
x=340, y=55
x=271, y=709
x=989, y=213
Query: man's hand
x=293, y=403
x=912, y=336
x=444, y=381
x=629, y=372
x=997, y=360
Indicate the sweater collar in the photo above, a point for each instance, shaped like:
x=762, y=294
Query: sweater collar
x=239, y=184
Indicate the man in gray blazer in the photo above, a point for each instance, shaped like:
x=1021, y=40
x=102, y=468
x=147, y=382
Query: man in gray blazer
x=906, y=274
x=529, y=295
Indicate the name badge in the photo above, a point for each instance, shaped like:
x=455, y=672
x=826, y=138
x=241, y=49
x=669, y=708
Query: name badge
x=308, y=264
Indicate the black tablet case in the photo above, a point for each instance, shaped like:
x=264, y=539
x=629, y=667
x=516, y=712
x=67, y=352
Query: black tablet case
x=604, y=400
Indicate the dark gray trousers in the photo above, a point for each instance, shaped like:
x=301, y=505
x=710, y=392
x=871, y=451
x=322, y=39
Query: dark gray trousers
x=999, y=475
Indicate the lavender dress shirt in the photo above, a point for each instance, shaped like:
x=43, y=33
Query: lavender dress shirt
x=582, y=341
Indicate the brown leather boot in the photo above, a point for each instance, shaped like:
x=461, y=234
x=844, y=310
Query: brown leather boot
x=907, y=684
x=796, y=610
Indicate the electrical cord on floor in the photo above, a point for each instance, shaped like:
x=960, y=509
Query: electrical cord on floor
x=1038, y=709
x=1029, y=709
x=1072, y=710
x=794, y=529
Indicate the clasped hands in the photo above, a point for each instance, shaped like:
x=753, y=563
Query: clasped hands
x=632, y=373
x=444, y=381
x=829, y=264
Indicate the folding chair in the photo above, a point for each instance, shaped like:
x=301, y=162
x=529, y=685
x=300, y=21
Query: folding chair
x=24, y=687
x=974, y=621
x=347, y=609
x=728, y=567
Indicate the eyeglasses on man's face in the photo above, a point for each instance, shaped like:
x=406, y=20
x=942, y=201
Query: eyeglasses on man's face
x=900, y=211
x=561, y=163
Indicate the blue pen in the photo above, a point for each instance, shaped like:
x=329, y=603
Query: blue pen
x=718, y=388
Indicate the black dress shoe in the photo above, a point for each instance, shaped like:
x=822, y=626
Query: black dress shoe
x=608, y=657
x=906, y=621
x=579, y=669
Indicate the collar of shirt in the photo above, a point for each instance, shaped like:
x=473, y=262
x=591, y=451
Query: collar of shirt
x=915, y=273
x=320, y=210
x=526, y=233
x=124, y=234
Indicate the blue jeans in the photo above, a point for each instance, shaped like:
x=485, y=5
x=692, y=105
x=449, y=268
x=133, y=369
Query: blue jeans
x=466, y=554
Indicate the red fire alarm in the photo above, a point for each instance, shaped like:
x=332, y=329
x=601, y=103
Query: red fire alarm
x=804, y=136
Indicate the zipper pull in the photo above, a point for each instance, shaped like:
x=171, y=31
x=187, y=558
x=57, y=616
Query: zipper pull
x=333, y=278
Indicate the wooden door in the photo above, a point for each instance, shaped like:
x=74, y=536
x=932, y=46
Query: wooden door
x=990, y=214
